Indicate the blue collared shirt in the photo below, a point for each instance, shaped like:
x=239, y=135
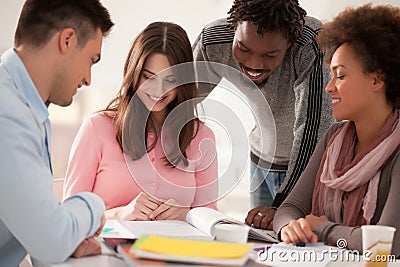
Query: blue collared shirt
x=31, y=219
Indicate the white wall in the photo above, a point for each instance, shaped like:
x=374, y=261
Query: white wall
x=131, y=16
x=327, y=9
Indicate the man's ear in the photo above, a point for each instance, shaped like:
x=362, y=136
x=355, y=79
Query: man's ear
x=67, y=40
x=378, y=81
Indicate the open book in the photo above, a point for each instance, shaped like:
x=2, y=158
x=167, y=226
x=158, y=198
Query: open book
x=200, y=225
x=206, y=219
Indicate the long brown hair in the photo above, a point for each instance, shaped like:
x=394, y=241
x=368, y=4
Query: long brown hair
x=172, y=41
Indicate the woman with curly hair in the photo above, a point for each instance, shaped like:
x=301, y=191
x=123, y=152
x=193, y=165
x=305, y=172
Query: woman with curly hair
x=353, y=177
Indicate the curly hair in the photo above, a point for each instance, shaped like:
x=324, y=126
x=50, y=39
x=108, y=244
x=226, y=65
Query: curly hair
x=373, y=32
x=285, y=16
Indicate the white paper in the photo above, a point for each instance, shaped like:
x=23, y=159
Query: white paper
x=135, y=229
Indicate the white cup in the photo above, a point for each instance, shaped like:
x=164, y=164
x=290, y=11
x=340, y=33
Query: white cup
x=377, y=244
x=233, y=233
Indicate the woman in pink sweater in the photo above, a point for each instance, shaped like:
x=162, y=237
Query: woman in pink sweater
x=147, y=154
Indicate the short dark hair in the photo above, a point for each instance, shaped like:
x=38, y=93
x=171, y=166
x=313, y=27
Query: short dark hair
x=41, y=19
x=285, y=16
x=374, y=35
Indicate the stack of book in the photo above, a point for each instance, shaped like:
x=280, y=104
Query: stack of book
x=166, y=249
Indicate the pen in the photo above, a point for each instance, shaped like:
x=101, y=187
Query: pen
x=262, y=249
x=302, y=244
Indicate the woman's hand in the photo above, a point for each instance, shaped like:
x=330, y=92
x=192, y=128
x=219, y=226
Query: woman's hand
x=138, y=209
x=298, y=231
x=301, y=230
x=261, y=217
x=169, y=210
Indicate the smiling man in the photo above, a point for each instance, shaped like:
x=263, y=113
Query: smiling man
x=273, y=44
x=56, y=44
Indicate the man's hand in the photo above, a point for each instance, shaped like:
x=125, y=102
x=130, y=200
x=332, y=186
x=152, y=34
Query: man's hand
x=102, y=223
x=261, y=217
x=88, y=247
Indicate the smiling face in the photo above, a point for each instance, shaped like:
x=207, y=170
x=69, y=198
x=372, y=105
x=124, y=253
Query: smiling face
x=258, y=55
x=157, y=84
x=351, y=89
x=75, y=70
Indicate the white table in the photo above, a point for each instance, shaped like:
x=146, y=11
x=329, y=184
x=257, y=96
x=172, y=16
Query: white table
x=113, y=261
x=102, y=261
x=105, y=260
x=95, y=261
x=110, y=261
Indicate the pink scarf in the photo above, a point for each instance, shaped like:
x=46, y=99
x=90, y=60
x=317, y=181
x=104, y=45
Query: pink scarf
x=352, y=184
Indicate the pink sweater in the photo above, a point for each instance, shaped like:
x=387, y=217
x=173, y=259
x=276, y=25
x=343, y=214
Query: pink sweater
x=97, y=164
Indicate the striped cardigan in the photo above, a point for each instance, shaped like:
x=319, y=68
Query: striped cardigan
x=295, y=94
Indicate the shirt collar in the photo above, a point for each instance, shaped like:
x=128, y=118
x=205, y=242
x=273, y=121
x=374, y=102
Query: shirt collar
x=24, y=84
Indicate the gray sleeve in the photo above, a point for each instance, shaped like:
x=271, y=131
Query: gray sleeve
x=204, y=71
x=332, y=232
x=298, y=203
x=312, y=111
x=391, y=208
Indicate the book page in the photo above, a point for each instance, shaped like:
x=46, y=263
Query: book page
x=264, y=235
x=135, y=229
x=205, y=218
x=113, y=229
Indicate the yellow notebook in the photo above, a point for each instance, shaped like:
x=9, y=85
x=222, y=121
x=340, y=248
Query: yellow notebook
x=194, y=251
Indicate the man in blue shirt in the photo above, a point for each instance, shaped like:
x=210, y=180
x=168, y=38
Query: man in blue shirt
x=56, y=44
